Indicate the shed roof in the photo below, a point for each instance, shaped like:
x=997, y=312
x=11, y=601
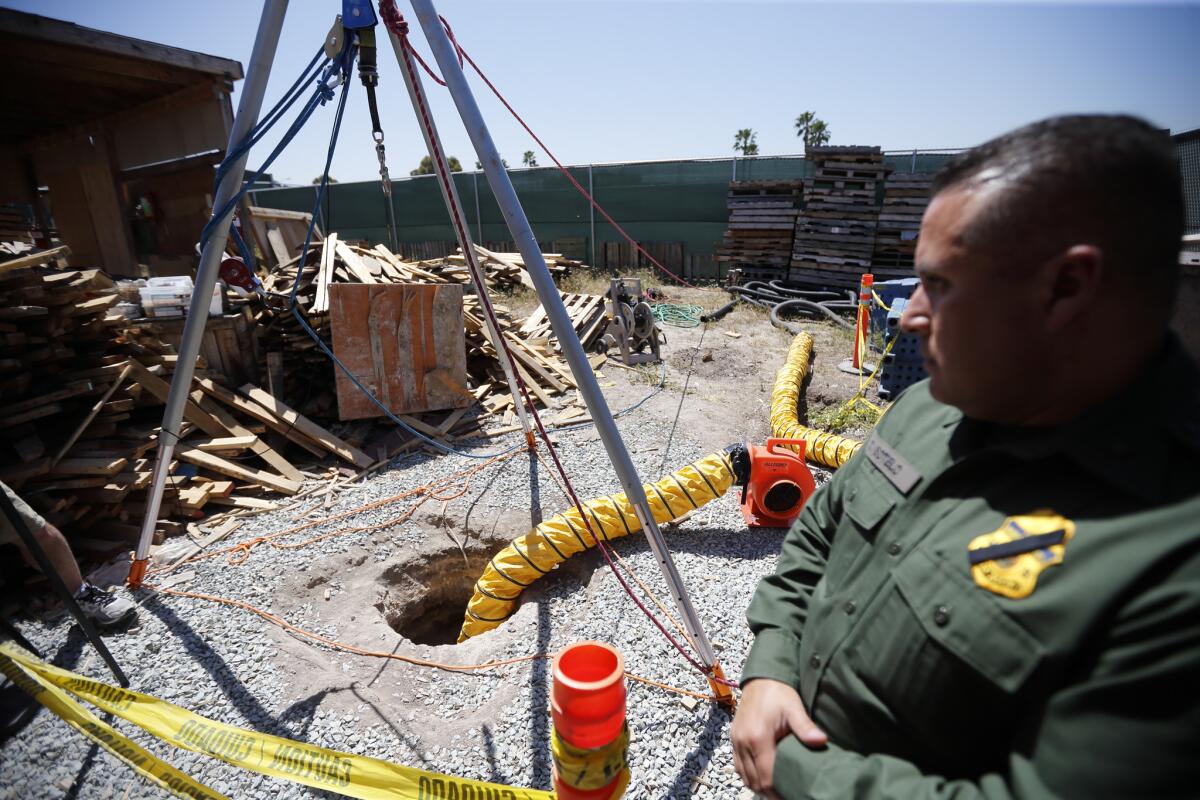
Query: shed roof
x=63, y=74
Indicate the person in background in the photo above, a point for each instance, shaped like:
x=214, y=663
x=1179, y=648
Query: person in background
x=103, y=608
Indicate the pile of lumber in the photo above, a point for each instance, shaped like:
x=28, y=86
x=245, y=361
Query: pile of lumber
x=905, y=196
x=81, y=401
x=762, y=221
x=306, y=375
x=835, y=236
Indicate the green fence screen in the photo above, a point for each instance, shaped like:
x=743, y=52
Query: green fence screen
x=679, y=202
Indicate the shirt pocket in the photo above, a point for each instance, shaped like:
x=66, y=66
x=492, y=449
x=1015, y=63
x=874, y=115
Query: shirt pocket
x=866, y=507
x=943, y=665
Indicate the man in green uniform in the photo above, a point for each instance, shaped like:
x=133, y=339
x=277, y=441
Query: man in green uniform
x=999, y=595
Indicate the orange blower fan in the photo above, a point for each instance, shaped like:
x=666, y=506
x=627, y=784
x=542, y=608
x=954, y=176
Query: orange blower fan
x=775, y=481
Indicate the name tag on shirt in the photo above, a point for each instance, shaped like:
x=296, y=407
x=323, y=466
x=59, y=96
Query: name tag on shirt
x=894, y=467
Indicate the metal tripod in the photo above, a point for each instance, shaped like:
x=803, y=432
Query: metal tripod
x=257, y=74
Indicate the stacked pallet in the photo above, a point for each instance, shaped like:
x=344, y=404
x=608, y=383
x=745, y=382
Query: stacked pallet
x=307, y=374
x=835, y=235
x=762, y=221
x=905, y=197
x=83, y=393
x=587, y=313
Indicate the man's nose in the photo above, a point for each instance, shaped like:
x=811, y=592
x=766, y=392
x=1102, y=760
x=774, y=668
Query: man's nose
x=915, y=317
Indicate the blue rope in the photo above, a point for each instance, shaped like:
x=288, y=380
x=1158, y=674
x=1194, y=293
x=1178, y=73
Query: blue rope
x=321, y=95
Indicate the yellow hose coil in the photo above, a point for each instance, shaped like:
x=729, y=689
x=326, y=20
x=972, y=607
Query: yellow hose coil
x=827, y=449
x=555, y=540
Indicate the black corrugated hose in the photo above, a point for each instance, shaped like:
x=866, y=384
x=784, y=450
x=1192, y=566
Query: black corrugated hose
x=780, y=298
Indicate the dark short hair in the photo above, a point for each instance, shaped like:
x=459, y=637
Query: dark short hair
x=1108, y=180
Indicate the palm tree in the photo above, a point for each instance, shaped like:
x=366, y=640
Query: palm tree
x=529, y=159
x=426, y=166
x=744, y=142
x=813, y=131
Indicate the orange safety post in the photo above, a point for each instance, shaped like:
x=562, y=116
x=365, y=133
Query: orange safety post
x=862, y=325
x=590, y=738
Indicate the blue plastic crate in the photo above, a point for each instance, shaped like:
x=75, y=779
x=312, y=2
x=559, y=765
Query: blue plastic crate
x=895, y=294
x=897, y=375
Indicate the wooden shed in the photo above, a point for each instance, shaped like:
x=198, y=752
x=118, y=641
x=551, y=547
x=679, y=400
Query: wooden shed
x=111, y=139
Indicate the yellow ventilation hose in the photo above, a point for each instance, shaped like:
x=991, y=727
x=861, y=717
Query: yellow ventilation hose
x=554, y=541
x=827, y=449
x=563, y=535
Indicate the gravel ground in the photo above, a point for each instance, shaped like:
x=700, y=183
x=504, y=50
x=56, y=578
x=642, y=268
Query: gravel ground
x=235, y=667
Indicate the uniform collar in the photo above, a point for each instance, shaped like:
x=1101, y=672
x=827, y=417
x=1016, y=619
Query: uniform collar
x=1125, y=440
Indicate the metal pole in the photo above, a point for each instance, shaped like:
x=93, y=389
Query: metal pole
x=253, y=90
x=437, y=154
x=734, y=169
x=592, y=216
x=392, y=229
x=9, y=509
x=585, y=378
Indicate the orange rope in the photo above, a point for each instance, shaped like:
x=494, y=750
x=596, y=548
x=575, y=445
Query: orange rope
x=458, y=483
x=418, y=662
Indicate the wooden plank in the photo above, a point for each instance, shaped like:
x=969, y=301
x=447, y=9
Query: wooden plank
x=77, y=388
x=279, y=247
x=353, y=263
x=325, y=275
x=48, y=410
x=244, y=502
x=160, y=389
x=306, y=426
x=91, y=415
x=253, y=409
x=34, y=259
x=408, y=271
x=215, y=463
x=89, y=466
x=194, y=497
x=227, y=444
x=260, y=448
x=404, y=342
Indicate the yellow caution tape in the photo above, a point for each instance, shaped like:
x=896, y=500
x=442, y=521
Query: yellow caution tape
x=343, y=773
x=591, y=769
x=78, y=717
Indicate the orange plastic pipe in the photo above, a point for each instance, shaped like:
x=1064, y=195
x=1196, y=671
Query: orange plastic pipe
x=588, y=697
x=587, y=704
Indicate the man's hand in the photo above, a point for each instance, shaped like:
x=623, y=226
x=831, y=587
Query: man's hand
x=768, y=711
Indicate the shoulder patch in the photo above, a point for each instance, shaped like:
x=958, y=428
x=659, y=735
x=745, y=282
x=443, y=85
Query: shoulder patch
x=1008, y=561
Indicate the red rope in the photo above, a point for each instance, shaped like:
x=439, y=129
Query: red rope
x=395, y=23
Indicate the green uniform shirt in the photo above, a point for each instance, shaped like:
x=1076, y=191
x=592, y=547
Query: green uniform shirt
x=1071, y=669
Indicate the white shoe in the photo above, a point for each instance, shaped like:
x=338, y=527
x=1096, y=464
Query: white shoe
x=101, y=607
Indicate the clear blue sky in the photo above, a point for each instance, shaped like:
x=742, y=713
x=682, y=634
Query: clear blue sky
x=614, y=81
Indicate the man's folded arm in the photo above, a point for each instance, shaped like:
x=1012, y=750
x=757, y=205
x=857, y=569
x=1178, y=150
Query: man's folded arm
x=1127, y=728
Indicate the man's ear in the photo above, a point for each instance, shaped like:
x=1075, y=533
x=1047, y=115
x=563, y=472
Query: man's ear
x=1074, y=284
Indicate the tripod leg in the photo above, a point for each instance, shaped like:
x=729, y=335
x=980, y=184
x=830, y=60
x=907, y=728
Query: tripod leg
x=39, y=555
x=206, y=276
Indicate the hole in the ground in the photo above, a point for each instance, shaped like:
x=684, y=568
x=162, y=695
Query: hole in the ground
x=425, y=598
